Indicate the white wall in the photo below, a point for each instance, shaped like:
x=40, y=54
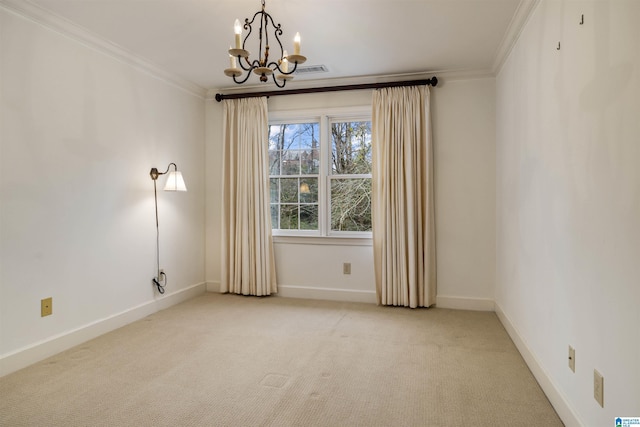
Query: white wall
x=80, y=132
x=465, y=203
x=464, y=150
x=568, y=203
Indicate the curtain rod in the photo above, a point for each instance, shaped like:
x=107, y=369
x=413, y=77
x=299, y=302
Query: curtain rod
x=433, y=81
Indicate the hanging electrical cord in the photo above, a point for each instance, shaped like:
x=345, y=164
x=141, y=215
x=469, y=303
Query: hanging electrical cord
x=161, y=279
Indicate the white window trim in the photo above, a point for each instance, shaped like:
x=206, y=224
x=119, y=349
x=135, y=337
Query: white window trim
x=324, y=117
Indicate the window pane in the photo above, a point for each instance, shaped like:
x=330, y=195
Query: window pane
x=351, y=204
x=276, y=137
x=291, y=162
x=273, y=189
x=308, y=190
x=351, y=148
x=308, y=217
x=294, y=136
x=310, y=162
x=303, y=135
x=288, y=217
x=274, y=162
x=274, y=217
x=289, y=190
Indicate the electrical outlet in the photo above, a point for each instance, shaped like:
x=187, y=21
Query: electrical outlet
x=346, y=268
x=46, y=307
x=598, y=387
x=572, y=359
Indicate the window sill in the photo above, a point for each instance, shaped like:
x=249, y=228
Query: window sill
x=323, y=240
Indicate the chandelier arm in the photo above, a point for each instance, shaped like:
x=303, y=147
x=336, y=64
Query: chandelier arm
x=248, y=67
x=243, y=80
x=295, y=67
x=276, y=81
x=277, y=32
x=276, y=67
x=247, y=26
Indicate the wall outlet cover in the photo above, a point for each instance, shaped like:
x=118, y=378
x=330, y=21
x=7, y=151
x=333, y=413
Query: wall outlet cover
x=346, y=268
x=598, y=387
x=46, y=307
x=572, y=359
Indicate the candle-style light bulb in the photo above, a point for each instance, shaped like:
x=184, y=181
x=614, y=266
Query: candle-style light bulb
x=296, y=44
x=285, y=63
x=237, y=28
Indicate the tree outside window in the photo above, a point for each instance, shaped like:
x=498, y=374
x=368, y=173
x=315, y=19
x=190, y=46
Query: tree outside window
x=351, y=176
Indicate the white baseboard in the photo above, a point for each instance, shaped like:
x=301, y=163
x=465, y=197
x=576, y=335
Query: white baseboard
x=213, y=287
x=464, y=303
x=34, y=353
x=347, y=295
x=304, y=292
x=330, y=294
x=553, y=393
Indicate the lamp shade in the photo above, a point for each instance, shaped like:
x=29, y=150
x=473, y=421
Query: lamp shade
x=175, y=182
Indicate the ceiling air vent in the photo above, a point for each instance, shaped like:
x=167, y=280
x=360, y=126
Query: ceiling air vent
x=311, y=69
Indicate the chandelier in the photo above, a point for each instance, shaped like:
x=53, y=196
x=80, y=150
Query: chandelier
x=277, y=69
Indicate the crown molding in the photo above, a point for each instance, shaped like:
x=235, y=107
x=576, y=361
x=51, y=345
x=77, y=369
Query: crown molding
x=511, y=36
x=39, y=15
x=455, y=75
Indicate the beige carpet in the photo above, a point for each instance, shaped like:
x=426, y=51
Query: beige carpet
x=226, y=360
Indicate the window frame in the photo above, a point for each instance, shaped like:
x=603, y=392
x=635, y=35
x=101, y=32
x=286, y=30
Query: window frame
x=325, y=117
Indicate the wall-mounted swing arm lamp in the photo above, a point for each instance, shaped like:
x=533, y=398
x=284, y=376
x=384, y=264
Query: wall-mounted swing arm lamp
x=175, y=182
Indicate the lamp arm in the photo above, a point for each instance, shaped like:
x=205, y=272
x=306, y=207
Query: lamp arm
x=155, y=174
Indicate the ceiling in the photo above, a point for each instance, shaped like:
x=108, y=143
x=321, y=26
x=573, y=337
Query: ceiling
x=189, y=39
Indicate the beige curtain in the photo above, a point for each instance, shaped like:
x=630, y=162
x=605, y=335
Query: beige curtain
x=402, y=200
x=248, y=265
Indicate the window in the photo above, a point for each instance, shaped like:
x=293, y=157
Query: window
x=320, y=175
x=294, y=166
x=350, y=177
